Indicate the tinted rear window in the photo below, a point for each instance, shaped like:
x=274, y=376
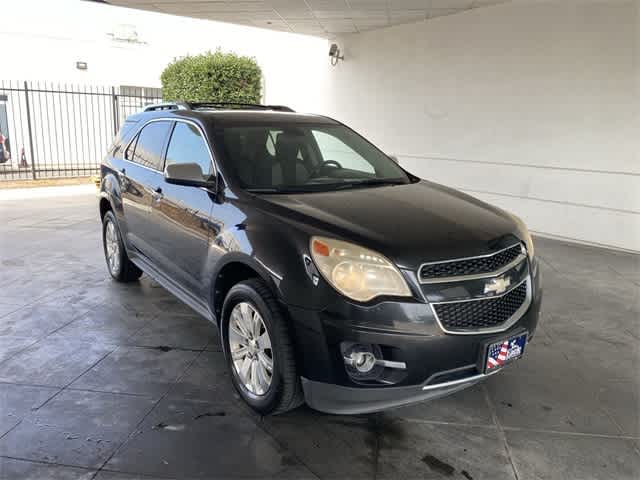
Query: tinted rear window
x=150, y=143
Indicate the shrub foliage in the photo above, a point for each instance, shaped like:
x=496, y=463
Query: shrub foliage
x=212, y=77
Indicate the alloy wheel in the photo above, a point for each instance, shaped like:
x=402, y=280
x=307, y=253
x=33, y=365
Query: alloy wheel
x=250, y=348
x=113, y=248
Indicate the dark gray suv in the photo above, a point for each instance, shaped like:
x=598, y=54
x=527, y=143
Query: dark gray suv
x=334, y=275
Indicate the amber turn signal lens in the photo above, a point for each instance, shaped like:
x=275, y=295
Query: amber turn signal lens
x=320, y=248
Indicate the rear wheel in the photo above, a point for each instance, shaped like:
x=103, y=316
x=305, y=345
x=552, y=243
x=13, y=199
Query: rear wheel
x=258, y=349
x=120, y=267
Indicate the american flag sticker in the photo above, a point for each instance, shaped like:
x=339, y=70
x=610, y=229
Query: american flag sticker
x=503, y=352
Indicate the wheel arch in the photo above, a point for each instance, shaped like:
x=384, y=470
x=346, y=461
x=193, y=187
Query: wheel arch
x=235, y=268
x=110, y=198
x=105, y=204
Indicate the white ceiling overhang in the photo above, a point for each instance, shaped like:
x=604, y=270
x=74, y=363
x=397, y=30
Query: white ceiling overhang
x=326, y=18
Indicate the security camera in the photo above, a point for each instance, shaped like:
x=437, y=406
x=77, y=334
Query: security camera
x=334, y=53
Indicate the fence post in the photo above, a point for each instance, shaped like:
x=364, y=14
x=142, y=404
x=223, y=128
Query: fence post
x=31, y=151
x=116, y=113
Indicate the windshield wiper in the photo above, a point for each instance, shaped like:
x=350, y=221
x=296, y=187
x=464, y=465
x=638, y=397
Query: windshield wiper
x=279, y=190
x=263, y=190
x=372, y=182
x=327, y=187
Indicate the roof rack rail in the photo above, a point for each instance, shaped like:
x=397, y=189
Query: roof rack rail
x=248, y=106
x=195, y=105
x=167, y=106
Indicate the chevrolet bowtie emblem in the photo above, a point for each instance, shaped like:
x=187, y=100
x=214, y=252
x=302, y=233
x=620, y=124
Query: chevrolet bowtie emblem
x=497, y=285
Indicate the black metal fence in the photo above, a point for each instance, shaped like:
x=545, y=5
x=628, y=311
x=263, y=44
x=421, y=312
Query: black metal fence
x=57, y=130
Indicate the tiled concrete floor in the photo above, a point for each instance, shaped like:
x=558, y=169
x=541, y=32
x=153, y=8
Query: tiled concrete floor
x=88, y=389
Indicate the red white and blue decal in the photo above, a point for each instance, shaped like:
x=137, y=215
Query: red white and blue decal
x=501, y=353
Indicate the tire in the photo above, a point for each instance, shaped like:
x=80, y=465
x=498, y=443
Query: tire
x=120, y=267
x=283, y=391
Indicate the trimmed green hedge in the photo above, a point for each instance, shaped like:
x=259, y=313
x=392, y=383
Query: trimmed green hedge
x=212, y=77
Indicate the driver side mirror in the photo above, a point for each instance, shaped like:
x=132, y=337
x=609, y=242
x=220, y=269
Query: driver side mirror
x=394, y=158
x=187, y=174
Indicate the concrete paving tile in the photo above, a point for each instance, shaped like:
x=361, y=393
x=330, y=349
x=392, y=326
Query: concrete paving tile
x=600, y=357
x=11, y=345
x=88, y=296
x=142, y=371
x=575, y=258
x=76, y=428
x=206, y=379
x=539, y=456
x=6, y=309
x=548, y=402
x=16, y=401
x=37, y=321
x=538, y=355
x=51, y=362
x=104, y=324
x=108, y=475
x=214, y=345
x=11, y=303
x=621, y=400
x=173, y=306
x=578, y=307
x=28, y=289
x=24, y=470
x=190, y=439
x=429, y=451
x=330, y=446
x=468, y=407
x=189, y=332
x=137, y=297
x=86, y=268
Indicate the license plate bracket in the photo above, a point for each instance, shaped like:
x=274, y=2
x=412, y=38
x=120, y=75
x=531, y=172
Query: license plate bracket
x=499, y=353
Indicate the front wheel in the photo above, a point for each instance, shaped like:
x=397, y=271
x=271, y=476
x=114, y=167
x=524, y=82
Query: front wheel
x=120, y=267
x=258, y=349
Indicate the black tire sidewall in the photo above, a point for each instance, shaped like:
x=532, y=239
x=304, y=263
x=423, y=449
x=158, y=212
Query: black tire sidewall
x=245, y=293
x=110, y=217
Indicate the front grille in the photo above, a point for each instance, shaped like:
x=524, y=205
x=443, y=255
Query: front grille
x=470, y=266
x=483, y=313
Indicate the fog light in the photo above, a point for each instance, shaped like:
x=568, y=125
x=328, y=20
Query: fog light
x=360, y=361
x=363, y=361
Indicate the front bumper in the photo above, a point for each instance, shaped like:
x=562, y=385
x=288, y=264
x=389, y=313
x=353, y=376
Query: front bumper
x=437, y=363
x=337, y=399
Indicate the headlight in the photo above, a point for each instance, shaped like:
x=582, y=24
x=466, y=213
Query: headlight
x=356, y=272
x=525, y=233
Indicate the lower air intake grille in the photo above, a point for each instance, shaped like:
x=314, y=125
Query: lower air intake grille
x=481, y=314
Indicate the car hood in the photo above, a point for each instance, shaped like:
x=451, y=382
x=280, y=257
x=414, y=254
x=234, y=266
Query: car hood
x=411, y=224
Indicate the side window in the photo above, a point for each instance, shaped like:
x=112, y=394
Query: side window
x=149, y=145
x=333, y=148
x=128, y=153
x=188, y=146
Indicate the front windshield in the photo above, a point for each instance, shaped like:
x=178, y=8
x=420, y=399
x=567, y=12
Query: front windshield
x=304, y=158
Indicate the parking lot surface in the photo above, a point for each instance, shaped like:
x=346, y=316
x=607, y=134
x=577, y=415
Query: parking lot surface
x=109, y=381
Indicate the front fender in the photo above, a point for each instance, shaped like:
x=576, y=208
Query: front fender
x=285, y=257
x=277, y=250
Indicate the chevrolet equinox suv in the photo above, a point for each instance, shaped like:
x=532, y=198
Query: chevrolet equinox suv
x=334, y=276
